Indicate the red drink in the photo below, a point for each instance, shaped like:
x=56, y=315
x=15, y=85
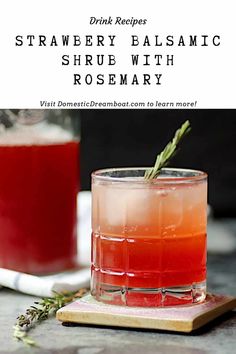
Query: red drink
x=149, y=240
x=38, y=190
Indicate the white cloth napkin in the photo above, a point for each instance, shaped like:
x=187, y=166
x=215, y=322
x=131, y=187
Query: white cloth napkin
x=66, y=281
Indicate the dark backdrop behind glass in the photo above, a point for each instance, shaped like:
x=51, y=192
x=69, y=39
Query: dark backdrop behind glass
x=115, y=138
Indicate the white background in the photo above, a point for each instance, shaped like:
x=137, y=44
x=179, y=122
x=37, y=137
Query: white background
x=203, y=74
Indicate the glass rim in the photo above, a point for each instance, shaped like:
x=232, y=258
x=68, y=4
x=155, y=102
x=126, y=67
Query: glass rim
x=197, y=176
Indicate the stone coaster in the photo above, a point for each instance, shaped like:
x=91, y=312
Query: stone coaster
x=184, y=318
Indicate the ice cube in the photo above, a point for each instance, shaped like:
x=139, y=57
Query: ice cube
x=172, y=210
x=120, y=206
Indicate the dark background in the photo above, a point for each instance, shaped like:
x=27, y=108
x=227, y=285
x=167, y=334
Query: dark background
x=116, y=138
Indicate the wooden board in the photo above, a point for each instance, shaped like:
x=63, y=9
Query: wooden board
x=181, y=319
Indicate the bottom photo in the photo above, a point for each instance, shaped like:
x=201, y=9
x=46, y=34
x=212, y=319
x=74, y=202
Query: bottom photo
x=121, y=225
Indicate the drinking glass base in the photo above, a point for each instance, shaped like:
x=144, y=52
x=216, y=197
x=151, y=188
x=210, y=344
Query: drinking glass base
x=150, y=297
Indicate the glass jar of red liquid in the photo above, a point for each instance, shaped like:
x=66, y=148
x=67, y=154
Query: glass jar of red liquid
x=39, y=182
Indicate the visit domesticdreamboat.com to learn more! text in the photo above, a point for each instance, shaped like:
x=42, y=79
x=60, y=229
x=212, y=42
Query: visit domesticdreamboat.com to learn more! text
x=117, y=104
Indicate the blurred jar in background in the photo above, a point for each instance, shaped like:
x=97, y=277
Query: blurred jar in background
x=39, y=181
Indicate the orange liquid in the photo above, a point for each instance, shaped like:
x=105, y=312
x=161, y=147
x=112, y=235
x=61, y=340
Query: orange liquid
x=38, y=190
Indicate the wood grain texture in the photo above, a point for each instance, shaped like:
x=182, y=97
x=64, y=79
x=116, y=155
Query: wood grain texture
x=180, y=319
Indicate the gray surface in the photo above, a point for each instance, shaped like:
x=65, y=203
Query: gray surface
x=218, y=337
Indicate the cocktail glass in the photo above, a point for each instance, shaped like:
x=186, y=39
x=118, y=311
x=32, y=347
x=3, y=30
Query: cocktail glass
x=149, y=237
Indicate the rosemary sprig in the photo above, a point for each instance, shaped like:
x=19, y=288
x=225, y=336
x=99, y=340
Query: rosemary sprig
x=169, y=151
x=44, y=308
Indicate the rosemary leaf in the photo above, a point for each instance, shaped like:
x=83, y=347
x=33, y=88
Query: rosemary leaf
x=169, y=151
x=35, y=314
